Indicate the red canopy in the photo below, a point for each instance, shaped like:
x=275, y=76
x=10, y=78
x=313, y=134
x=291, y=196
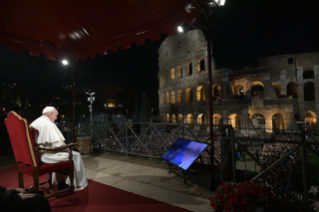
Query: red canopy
x=84, y=28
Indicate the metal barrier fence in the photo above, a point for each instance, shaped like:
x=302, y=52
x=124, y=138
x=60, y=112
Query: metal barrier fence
x=282, y=163
x=153, y=139
x=138, y=138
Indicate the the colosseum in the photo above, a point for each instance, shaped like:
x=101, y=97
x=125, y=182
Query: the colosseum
x=269, y=97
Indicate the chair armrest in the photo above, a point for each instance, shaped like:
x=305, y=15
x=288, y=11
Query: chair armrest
x=56, y=149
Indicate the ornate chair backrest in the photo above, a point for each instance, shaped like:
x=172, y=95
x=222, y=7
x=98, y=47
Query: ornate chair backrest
x=21, y=139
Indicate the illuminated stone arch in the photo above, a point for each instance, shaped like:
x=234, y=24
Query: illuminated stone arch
x=189, y=119
x=259, y=123
x=309, y=91
x=202, y=121
x=217, y=118
x=292, y=90
x=179, y=118
x=216, y=89
x=189, y=95
x=168, y=118
x=257, y=89
x=277, y=88
x=311, y=120
x=179, y=72
x=179, y=96
x=172, y=97
x=234, y=120
x=172, y=73
x=200, y=93
x=278, y=122
x=239, y=90
x=173, y=118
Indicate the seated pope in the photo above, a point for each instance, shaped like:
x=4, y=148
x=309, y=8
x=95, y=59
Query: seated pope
x=47, y=134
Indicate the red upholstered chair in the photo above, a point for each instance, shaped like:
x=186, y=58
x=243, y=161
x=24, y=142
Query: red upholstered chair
x=26, y=157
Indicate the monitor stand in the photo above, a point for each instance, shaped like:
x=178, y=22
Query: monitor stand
x=184, y=174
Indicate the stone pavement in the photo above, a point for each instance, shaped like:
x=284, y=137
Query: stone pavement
x=146, y=177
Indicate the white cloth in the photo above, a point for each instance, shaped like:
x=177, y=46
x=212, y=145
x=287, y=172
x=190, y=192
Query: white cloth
x=48, y=135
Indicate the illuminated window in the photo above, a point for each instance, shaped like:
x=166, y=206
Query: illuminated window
x=200, y=93
x=189, y=119
x=172, y=97
x=110, y=104
x=189, y=96
x=173, y=118
x=173, y=74
x=179, y=72
x=180, y=96
x=216, y=89
x=179, y=118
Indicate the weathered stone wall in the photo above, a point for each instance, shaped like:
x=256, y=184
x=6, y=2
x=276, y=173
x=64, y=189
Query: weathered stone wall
x=274, y=74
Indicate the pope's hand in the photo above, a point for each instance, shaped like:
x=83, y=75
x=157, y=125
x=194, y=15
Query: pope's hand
x=15, y=190
x=26, y=196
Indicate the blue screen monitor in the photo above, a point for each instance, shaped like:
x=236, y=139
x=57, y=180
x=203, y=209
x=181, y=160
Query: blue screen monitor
x=184, y=152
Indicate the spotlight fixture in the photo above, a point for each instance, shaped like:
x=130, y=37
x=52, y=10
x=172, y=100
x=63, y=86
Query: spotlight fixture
x=65, y=62
x=184, y=27
x=220, y=2
x=189, y=7
x=213, y=3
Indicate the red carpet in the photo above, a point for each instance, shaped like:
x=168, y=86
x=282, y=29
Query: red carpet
x=96, y=197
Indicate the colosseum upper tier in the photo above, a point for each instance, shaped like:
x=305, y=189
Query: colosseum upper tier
x=271, y=96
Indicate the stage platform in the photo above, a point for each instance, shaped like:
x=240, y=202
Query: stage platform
x=146, y=177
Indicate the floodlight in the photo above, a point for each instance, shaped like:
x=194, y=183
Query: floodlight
x=222, y=2
x=218, y=2
x=184, y=27
x=189, y=7
x=213, y=3
x=180, y=29
x=65, y=62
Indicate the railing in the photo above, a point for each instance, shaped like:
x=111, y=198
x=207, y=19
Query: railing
x=153, y=139
x=139, y=138
x=280, y=162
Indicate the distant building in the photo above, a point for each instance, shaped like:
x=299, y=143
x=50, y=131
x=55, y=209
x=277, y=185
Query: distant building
x=264, y=98
x=110, y=95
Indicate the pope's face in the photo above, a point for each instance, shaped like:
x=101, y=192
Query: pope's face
x=54, y=115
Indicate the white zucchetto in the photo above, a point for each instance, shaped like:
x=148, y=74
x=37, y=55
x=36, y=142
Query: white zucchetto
x=48, y=109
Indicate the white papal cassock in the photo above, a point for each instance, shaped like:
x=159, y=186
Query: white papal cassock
x=49, y=135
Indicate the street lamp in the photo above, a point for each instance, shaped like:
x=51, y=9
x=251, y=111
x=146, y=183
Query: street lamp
x=66, y=63
x=207, y=7
x=91, y=99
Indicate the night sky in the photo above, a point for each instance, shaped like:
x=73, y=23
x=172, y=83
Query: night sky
x=243, y=31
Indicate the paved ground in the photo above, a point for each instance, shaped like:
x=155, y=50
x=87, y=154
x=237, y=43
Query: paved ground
x=146, y=177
